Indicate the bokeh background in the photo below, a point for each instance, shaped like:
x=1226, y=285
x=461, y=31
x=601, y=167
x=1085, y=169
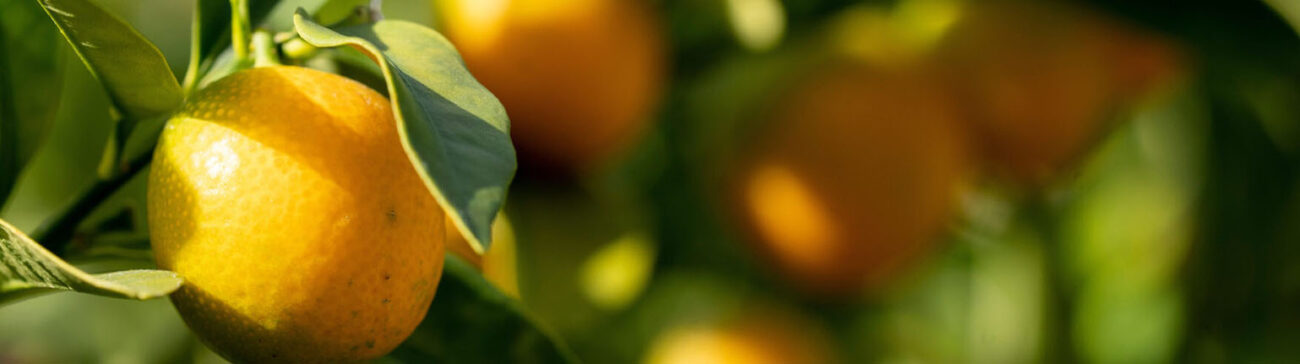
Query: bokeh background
x=815, y=181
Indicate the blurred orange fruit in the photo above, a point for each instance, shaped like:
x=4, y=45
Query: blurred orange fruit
x=854, y=177
x=292, y=248
x=578, y=77
x=1042, y=81
x=757, y=337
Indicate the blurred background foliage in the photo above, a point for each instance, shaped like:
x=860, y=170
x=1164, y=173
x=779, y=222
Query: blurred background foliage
x=1122, y=178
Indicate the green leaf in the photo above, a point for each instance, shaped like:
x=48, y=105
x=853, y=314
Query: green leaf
x=470, y=321
x=132, y=70
x=27, y=268
x=31, y=80
x=334, y=11
x=210, y=34
x=455, y=131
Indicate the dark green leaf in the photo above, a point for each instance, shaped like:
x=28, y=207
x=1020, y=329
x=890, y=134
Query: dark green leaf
x=455, y=131
x=31, y=78
x=471, y=321
x=26, y=268
x=132, y=70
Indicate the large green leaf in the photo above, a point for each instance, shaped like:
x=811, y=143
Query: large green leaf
x=27, y=268
x=455, y=131
x=132, y=70
x=470, y=321
x=31, y=78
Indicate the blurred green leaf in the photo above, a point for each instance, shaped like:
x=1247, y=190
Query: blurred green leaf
x=470, y=321
x=132, y=70
x=27, y=268
x=31, y=79
x=455, y=131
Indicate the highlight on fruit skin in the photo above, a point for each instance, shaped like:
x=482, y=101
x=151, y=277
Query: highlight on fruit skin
x=751, y=336
x=283, y=196
x=579, y=77
x=1040, y=99
x=854, y=176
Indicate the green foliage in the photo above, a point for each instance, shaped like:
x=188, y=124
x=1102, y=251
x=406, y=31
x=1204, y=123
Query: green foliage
x=26, y=268
x=133, y=71
x=210, y=36
x=471, y=321
x=454, y=130
x=31, y=79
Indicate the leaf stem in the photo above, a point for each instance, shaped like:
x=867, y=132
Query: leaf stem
x=56, y=233
x=239, y=29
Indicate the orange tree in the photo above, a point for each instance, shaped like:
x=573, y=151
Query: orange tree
x=296, y=215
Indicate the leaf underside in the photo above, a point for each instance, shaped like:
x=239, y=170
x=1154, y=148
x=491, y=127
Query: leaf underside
x=26, y=268
x=453, y=129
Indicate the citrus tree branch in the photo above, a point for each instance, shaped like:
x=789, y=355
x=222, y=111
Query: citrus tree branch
x=57, y=232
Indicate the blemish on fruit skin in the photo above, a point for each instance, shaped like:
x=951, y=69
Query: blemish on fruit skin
x=370, y=344
x=387, y=276
x=392, y=214
x=385, y=301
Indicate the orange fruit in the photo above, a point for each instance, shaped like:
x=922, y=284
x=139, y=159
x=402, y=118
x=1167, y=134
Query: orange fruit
x=854, y=177
x=753, y=337
x=283, y=197
x=1043, y=81
x=578, y=77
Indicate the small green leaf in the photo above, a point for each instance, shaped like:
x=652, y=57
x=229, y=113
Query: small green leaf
x=470, y=321
x=31, y=80
x=455, y=131
x=132, y=70
x=27, y=268
x=334, y=11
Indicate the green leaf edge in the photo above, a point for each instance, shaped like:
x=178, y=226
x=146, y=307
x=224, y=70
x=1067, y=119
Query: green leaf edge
x=303, y=21
x=138, y=284
x=174, y=86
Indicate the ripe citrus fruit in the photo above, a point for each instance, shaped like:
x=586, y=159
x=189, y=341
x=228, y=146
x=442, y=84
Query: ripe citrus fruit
x=753, y=337
x=1040, y=98
x=577, y=76
x=498, y=264
x=283, y=197
x=854, y=177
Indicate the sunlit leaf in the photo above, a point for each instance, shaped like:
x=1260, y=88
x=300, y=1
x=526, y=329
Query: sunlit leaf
x=26, y=268
x=132, y=70
x=454, y=130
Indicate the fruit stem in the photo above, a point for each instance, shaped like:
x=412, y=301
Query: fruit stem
x=56, y=233
x=239, y=29
x=264, y=50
